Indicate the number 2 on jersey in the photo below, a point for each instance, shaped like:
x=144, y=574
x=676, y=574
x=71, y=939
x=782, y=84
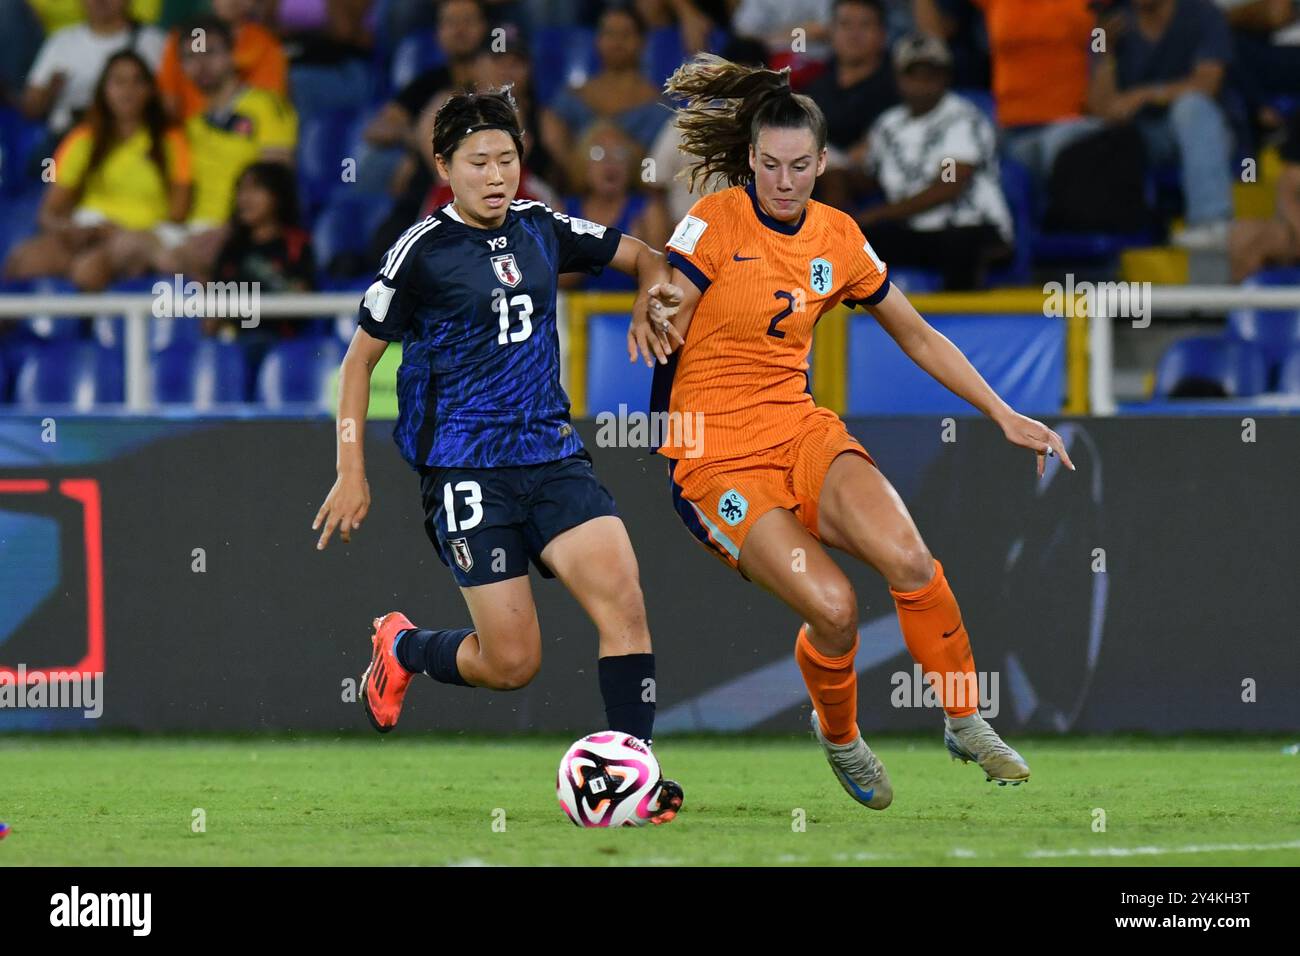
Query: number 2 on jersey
x=790, y=299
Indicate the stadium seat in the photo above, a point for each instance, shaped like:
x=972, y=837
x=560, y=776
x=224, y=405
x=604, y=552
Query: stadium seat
x=982, y=99
x=915, y=281
x=562, y=56
x=1276, y=331
x=1017, y=187
x=1208, y=366
x=412, y=56
x=347, y=86
x=299, y=372
x=19, y=136
x=322, y=142
x=200, y=373
x=344, y=227
x=61, y=372
x=1288, y=378
x=5, y=395
x=63, y=325
x=19, y=220
x=611, y=379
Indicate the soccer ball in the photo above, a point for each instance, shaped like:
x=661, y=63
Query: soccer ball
x=608, y=779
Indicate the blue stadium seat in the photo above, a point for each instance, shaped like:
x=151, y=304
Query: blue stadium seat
x=982, y=99
x=322, y=147
x=19, y=136
x=1288, y=379
x=914, y=281
x=611, y=379
x=561, y=55
x=349, y=86
x=663, y=54
x=299, y=372
x=346, y=225
x=200, y=373
x=1274, y=330
x=5, y=394
x=62, y=372
x=1202, y=363
x=60, y=326
x=1018, y=188
x=19, y=220
x=412, y=56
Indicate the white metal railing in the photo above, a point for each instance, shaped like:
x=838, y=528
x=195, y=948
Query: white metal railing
x=137, y=309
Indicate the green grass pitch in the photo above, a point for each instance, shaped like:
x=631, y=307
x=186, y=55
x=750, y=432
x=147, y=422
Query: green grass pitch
x=438, y=800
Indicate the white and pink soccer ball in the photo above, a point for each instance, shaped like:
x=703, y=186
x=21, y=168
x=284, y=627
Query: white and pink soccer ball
x=608, y=779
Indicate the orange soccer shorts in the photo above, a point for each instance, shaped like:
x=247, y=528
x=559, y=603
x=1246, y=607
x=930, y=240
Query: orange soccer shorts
x=720, y=499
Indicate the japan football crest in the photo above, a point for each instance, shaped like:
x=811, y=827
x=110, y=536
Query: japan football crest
x=460, y=551
x=506, y=269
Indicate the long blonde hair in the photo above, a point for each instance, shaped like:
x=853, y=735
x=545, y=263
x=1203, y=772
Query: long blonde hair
x=726, y=105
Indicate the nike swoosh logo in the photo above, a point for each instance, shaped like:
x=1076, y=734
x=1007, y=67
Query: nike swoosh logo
x=954, y=630
x=737, y=257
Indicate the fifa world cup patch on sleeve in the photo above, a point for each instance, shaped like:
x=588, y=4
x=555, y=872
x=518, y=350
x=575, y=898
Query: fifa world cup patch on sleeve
x=378, y=296
x=585, y=227
x=688, y=234
x=866, y=247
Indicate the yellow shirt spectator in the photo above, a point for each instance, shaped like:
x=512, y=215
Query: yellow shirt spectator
x=127, y=187
x=56, y=14
x=224, y=144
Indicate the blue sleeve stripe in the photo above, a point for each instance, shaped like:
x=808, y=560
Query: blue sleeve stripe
x=689, y=269
x=874, y=299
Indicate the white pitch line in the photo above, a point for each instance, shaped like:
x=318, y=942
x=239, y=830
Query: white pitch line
x=1108, y=851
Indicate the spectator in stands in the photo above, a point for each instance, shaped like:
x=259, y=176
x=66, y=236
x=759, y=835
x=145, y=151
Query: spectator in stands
x=462, y=30
x=239, y=125
x=258, y=58
x=935, y=158
x=1163, y=68
x=774, y=22
x=1256, y=243
x=859, y=83
x=266, y=245
x=63, y=78
x=959, y=24
x=19, y=41
x=695, y=19
x=1039, y=52
x=606, y=166
x=619, y=92
x=119, y=174
x=1266, y=34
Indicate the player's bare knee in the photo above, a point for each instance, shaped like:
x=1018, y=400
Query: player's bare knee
x=514, y=671
x=835, y=619
x=912, y=567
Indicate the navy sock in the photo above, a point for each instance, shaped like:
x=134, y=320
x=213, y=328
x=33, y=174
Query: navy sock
x=628, y=685
x=432, y=653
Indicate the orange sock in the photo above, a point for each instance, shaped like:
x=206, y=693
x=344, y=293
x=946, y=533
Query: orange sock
x=937, y=640
x=833, y=686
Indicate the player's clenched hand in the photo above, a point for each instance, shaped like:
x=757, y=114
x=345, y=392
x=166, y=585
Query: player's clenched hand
x=344, y=507
x=651, y=332
x=1028, y=433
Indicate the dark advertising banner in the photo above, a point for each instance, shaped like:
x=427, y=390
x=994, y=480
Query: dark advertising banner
x=161, y=575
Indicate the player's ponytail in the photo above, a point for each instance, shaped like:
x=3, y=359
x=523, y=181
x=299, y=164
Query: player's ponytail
x=725, y=106
x=467, y=112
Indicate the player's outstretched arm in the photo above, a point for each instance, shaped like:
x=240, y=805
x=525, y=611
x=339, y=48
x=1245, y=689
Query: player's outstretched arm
x=349, y=499
x=938, y=357
x=651, y=331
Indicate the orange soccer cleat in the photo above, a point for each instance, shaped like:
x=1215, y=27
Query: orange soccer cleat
x=384, y=683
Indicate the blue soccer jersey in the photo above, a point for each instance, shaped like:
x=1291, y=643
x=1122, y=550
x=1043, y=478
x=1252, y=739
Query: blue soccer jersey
x=474, y=309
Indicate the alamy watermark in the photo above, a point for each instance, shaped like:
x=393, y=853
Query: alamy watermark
x=624, y=429
x=1119, y=300
x=916, y=688
x=208, y=300
x=40, y=690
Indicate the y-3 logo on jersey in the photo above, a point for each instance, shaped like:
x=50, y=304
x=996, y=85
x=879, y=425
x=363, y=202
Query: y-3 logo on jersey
x=507, y=270
x=498, y=243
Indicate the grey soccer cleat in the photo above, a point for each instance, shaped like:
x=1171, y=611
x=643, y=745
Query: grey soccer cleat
x=858, y=770
x=974, y=739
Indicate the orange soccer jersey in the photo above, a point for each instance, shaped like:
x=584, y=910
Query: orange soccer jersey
x=744, y=367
